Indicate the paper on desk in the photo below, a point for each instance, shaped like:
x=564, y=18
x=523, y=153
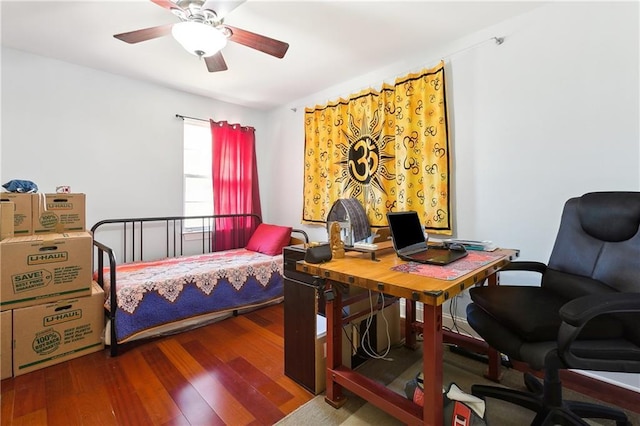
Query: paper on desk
x=484, y=245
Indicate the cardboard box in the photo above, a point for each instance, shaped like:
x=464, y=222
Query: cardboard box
x=22, y=214
x=58, y=213
x=6, y=219
x=351, y=335
x=49, y=334
x=40, y=268
x=6, y=352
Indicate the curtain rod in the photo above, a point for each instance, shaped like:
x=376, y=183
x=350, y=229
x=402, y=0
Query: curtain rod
x=207, y=121
x=497, y=40
x=191, y=118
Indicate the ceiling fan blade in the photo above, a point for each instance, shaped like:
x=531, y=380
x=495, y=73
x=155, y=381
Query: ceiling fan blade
x=222, y=7
x=259, y=42
x=145, y=34
x=216, y=63
x=167, y=4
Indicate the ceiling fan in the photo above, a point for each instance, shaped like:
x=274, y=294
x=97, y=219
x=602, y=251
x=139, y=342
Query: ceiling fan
x=202, y=31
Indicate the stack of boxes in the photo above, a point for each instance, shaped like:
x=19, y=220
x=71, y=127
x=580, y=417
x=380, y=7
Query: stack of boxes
x=51, y=311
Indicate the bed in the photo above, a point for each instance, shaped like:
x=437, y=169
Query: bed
x=163, y=275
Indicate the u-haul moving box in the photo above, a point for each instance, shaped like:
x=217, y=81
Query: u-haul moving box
x=49, y=334
x=40, y=268
x=58, y=213
x=6, y=358
x=6, y=219
x=22, y=214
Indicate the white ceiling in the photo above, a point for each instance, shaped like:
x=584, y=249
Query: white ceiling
x=330, y=41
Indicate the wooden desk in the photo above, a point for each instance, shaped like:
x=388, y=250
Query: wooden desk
x=360, y=270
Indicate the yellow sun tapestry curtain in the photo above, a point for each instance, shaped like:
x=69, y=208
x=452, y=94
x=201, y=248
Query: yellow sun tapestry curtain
x=388, y=149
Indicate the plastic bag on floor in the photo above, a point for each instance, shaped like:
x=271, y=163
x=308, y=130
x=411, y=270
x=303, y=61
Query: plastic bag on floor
x=460, y=408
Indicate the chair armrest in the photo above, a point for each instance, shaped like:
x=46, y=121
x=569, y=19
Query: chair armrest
x=526, y=266
x=578, y=312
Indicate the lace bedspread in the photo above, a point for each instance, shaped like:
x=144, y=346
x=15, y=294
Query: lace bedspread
x=151, y=294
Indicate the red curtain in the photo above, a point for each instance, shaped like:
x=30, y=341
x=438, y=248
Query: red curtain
x=235, y=183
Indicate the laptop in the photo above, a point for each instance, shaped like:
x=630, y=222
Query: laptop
x=410, y=243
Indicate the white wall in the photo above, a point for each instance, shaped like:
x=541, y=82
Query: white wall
x=550, y=114
x=113, y=138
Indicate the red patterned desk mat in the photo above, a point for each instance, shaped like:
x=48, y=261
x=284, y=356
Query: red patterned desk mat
x=460, y=267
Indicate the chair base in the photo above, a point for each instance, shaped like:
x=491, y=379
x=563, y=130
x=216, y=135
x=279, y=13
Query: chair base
x=548, y=405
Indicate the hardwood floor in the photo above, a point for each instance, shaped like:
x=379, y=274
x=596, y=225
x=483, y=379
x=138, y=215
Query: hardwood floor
x=226, y=373
x=230, y=372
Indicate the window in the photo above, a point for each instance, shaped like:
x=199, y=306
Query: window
x=198, y=186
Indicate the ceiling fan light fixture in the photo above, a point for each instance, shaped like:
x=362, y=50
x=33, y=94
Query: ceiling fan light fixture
x=199, y=39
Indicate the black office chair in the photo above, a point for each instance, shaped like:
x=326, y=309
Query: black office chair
x=585, y=314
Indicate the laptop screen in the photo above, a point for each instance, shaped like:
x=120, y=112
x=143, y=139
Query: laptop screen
x=406, y=229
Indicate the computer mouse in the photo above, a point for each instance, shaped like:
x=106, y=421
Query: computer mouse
x=456, y=247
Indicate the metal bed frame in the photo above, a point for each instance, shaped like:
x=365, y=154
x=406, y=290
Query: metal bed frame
x=132, y=238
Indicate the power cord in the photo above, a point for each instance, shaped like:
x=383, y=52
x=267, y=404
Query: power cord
x=365, y=342
x=453, y=309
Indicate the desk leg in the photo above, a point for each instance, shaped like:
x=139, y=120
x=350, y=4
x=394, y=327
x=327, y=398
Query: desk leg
x=432, y=364
x=333, y=311
x=494, y=358
x=409, y=320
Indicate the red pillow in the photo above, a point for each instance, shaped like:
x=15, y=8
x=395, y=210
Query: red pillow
x=269, y=239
